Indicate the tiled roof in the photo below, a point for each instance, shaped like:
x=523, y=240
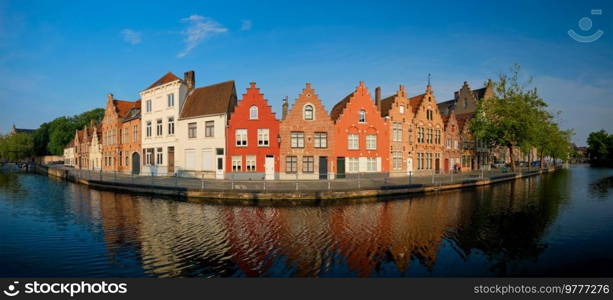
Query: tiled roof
x=339, y=107
x=133, y=112
x=168, y=77
x=213, y=99
x=416, y=102
x=386, y=105
x=462, y=119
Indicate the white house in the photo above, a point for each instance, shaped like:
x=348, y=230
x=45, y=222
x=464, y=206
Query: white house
x=95, y=149
x=69, y=154
x=202, y=130
x=161, y=104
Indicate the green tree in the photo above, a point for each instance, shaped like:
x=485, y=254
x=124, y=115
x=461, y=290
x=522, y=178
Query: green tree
x=18, y=146
x=512, y=117
x=600, y=148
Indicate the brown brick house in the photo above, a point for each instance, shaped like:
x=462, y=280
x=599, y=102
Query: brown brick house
x=453, y=147
x=121, y=136
x=429, y=133
x=307, y=139
x=399, y=114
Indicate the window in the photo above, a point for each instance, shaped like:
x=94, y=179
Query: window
x=437, y=137
x=429, y=136
x=120, y=156
x=127, y=163
x=308, y=112
x=171, y=100
x=241, y=137
x=209, y=129
x=429, y=114
x=207, y=159
x=352, y=142
x=171, y=126
x=160, y=153
x=297, y=139
x=321, y=140
x=190, y=159
x=397, y=160
x=250, y=163
x=362, y=116
x=159, y=128
x=148, y=156
x=126, y=135
x=291, y=164
x=148, y=106
x=420, y=134
x=263, y=139
x=371, y=142
x=371, y=164
x=402, y=109
x=353, y=164
x=253, y=113
x=135, y=133
x=148, y=128
x=192, y=129
x=465, y=103
x=237, y=163
x=308, y=164
x=420, y=157
x=428, y=161
x=397, y=132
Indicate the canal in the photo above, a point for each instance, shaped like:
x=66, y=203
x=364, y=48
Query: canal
x=558, y=224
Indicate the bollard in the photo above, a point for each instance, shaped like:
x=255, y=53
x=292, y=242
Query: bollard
x=328, y=184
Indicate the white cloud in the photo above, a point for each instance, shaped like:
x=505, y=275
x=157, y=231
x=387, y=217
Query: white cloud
x=199, y=28
x=246, y=24
x=131, y=37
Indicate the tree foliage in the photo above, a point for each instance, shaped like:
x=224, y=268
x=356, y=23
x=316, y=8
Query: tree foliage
x=517, y=117
x=16, y=147
x=600, y=148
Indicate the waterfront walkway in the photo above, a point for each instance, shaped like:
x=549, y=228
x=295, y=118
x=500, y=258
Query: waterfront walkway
x=359, y=186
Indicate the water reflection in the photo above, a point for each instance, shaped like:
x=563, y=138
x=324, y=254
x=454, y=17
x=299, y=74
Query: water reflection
x=485, y=231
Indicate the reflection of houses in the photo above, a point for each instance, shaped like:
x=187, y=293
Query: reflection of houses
x=201, y=130
x=400, y=121
x=362, y=141
x=121, y=136
x=253, y=138
x=307, y=139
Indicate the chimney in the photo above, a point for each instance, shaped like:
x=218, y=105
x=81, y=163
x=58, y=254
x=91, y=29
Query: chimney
x=109, y=97
x=284, y=108
x=190, y=80
x=378, y=97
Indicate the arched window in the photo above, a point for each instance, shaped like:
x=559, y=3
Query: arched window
x=253, y=113
x=362, y=116
x=308, y=112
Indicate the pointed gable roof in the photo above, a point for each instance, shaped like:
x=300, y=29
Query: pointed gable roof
x=339, y=107
x=168, y=77
x=308, y=96
x=463, y=119
x=213, y=99
x=416, y=102
x=387, y=103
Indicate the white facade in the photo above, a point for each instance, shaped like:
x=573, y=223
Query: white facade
x=201, y=153
x=95, y=153
x=159, y=146
x=69, y=158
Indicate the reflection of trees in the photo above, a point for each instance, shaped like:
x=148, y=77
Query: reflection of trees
x=10, y=184
x=509, y=222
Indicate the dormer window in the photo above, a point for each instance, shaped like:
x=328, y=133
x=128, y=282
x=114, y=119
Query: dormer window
x=308, y=112
x=253, y=113
x=362, y=116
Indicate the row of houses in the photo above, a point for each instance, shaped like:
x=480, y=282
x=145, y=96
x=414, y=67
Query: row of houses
x=176, y=128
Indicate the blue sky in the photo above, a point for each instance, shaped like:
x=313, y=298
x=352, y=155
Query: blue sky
x=62, y=57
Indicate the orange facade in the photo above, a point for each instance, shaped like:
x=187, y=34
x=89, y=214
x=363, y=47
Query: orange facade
x=307, y=139
x=429, y=134
x=121, y=143
x=399, y=114
x=252, y=138
x=362, y=135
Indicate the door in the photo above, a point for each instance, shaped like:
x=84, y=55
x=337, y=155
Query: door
x=171, y=160
x=446, y=167
x=269, y=167
x=409, y=166
x=135, y=163
x=437, y=165
x=323, y=167
x=219, y=174
x=340, y=167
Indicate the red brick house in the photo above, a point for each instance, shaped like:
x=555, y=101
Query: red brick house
x=307, y=139
x=397, y=110
x=252, y=138
x=121, y=136
x=452, y=153
x=362, y=135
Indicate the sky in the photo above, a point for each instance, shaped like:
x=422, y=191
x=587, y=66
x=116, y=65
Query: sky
x=62, y=57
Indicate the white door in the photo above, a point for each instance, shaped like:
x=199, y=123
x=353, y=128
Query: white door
x=220, y=163
x=410, y=166
x=269, y=167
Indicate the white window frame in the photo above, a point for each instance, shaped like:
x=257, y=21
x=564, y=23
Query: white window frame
x=312, y=111
x=253, y=113
x=263, y=137
x=241, y=139
x=371, y=142
x=353, y=142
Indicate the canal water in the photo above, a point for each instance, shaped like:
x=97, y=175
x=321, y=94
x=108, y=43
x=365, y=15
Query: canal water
x=559, y=224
